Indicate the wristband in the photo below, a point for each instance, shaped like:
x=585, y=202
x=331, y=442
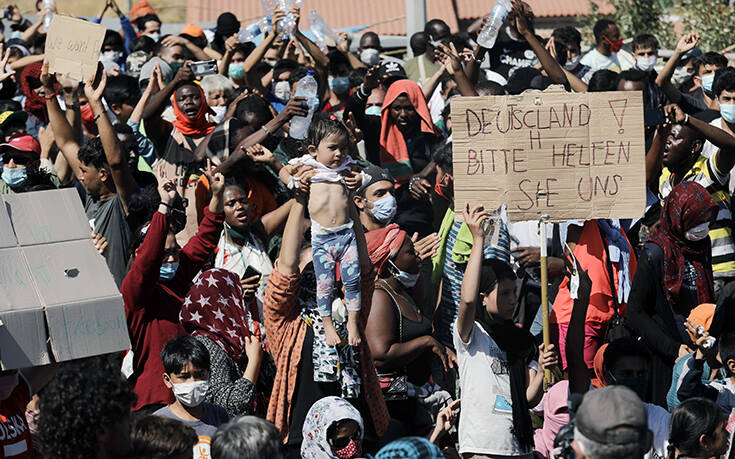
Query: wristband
x=167, y=205
x=686, y=119
x=264, y=128
x=97, y=117
x=413, y=180
x=49, y=96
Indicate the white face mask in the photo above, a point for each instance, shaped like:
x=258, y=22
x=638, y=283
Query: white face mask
x=369, y=56
x=191, y=393
x=698, y=233
x=282, y=91
x=681, y=74
x=219, y=113
x=645, y=63
x=407, y=279
x=572, y=63
x=155, y=36
x=112, y=56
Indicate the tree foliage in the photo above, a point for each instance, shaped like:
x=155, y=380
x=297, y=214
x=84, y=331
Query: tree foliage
x=633, y=17
x=713, y=20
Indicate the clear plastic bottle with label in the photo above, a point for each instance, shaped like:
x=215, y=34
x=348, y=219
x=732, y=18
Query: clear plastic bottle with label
x=249, y=33
x=306, y=88
x=497, y=16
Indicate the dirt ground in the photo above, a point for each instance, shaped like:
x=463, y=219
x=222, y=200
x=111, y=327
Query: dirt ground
x=170, y=11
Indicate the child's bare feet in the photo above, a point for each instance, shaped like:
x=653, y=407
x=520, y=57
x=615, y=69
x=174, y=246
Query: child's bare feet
x=330, y=333
x=353, y=332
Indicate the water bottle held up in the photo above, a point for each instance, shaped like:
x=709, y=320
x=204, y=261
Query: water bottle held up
x=249, y=33
x=497, y=16
x=321, y=31
x=307, y=88
x=51, y=6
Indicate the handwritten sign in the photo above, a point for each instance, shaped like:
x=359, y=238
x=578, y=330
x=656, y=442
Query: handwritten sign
x=73, y=47
x=564, y=155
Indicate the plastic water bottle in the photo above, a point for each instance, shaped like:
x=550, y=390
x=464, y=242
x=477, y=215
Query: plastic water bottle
x=489, y=34
x=268, y=6
x=321, y=31
x=249, y=33
x=306, y=88
x=51, y=6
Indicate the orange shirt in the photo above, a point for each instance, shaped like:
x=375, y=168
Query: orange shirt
x=590, y=253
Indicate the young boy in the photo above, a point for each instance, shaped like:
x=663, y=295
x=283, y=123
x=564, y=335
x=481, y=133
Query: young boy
x=645, y=51
x=721, y=391
x=186, y=365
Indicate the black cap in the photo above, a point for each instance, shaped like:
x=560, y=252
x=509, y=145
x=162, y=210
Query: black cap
x=373, y=174
x=227, y=24
x=526, y=78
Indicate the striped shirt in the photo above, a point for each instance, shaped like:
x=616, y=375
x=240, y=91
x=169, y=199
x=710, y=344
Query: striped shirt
x=452, y=280
x=705, y=173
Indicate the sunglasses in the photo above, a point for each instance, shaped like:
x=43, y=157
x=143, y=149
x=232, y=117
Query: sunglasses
x=342, y=442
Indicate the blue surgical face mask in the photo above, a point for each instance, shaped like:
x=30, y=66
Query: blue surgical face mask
x=14, y=176
x=407, y=279
x=236, y=71
x=168, y=270
x=728, y=112
x=373, y=110
x=707, y=81
x=339, y=85
x=384, y=208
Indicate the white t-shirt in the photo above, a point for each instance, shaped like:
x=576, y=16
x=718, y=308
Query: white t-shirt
x=658, y=422
x=598, y=61
x=486, y=417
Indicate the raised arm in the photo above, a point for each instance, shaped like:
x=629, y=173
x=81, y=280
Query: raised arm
x=293, y=233
x=553, y=69
x=344, y=48
x=663, y=80
x=470, y=293
x=719, y=138
x=121, y=174
x=195, y=51
x=257, y=54
x=157, y=129
x=319, y=57
x=451, y=61
x=62, y=129
x=579, y=379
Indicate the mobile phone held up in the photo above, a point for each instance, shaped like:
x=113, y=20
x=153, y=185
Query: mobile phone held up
x=250, y=272
x=204, y=68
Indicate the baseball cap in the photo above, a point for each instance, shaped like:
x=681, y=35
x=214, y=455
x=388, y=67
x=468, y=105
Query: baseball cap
x=193, y=30
x=612, y=415
x=19, y=44
x=24, y=143
x=391, y=70
x=10, y=116
x=692, y=53
x=373, y=174
x=135, y=61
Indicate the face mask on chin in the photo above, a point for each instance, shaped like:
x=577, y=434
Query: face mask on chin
x=408, y=280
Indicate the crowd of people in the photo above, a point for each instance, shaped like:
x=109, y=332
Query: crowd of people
x=295, y=281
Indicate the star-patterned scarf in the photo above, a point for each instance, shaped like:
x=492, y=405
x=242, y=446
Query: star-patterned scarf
x=214, y=307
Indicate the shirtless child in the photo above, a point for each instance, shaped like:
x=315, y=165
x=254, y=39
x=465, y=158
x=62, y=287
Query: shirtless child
x=332, y=236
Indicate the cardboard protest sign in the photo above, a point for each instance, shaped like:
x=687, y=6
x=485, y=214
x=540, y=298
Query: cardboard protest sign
x=58, y=300
x=564, y=155
x=73, y=47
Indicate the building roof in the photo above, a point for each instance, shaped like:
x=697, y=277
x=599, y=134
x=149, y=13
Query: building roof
x=385, y=16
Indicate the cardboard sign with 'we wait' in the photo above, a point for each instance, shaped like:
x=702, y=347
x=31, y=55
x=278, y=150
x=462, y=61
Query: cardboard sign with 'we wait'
x=73, y=47
x=554, y=153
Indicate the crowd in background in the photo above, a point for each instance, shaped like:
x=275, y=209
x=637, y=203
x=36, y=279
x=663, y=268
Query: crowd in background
x=280, y=220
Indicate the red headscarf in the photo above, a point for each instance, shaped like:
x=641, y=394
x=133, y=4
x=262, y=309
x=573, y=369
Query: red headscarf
x=393, y=148
x=34, y=104
x=199, y=125
x=214, y=307
x=384, y=243
x=684, y=209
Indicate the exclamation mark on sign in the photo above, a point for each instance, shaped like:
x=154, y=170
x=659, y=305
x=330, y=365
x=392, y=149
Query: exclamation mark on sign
x=618, y=110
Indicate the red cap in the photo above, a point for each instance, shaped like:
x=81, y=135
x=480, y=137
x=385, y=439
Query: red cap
x=25, y=143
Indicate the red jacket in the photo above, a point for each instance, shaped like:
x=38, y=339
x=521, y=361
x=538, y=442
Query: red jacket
x=152, y=308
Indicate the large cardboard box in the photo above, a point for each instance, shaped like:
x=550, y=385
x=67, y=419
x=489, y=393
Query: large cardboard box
x=58, y=300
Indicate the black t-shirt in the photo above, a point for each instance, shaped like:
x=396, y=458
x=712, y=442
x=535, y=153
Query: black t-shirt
x=108, y=219
x=508, y=55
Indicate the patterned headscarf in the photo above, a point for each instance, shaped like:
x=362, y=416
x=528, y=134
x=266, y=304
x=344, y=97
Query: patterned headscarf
x=410, y=448
x=34, y=104
x=214, y=307
x=684, y=209
x=320, y=417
